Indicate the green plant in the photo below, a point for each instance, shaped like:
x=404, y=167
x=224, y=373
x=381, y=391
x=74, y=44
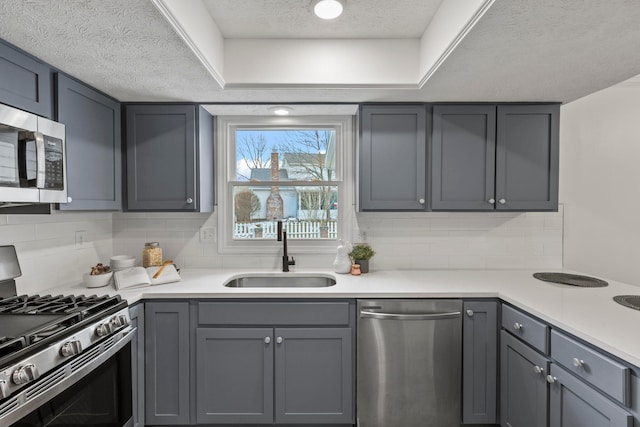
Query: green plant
x=361, y=251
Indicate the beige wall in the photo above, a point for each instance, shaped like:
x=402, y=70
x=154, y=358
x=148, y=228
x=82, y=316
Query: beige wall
x=600, y=183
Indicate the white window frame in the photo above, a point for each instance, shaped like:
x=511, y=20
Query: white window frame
x=226, y=127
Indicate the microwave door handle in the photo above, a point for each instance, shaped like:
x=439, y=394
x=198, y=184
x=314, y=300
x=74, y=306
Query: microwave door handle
x=40, y=159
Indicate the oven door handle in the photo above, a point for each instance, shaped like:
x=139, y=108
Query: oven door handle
x=31, y=398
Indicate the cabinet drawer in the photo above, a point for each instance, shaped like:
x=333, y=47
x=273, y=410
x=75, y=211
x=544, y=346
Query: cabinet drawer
x=525, y=327
x=273, y=313
x=594, y=367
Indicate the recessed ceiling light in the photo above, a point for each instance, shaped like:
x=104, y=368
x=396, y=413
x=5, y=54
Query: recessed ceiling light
x=328, y=9
x=281, y=110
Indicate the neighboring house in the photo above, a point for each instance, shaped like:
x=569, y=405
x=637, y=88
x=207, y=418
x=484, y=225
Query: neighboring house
x=298, y=202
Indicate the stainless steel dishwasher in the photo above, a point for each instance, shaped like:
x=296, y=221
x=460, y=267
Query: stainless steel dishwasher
x=409, y=362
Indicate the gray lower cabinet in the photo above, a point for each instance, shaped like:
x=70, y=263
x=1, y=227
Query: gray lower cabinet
x=169, y=158
x=575, y=404
x=93, y=138
x=523, y=387
x=25, y=82
x=393, y=158
x=235, y=375
x=488, y=157
x=167, y=363
x=137, y=364
x=274, y=375
x=480, y=362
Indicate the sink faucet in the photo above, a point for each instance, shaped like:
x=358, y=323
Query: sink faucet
x=282, y=237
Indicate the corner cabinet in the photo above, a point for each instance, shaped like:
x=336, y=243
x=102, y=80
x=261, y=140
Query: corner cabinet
x=169, y=158
x=488, y=157
x=393, y=158
x=93, y=138
x=25, y=82
x=479, y=362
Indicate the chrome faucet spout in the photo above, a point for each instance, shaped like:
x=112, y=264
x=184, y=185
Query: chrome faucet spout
x=282, y=237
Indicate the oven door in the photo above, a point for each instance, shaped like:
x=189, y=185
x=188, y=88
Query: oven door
x=97, y=393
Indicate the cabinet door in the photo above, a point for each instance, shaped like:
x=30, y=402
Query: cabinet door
x=161, y=157
x=167, y=363
x=137, y=364
x=523, y=387
x=463, y=157
x=235, y=375
x=574, y=404
x=25, y=82
x=314, y=376
x=393, y=158
x=94, y=163
x=480, y=362
x=527, y=157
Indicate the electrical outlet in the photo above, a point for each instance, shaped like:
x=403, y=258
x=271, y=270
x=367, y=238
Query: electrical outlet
x=208, y=234
x=80, y=239
x=363, y=236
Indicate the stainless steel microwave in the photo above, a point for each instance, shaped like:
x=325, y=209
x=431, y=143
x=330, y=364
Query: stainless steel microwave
x=33, y=165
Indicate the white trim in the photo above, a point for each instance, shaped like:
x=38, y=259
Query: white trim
x=225, y=177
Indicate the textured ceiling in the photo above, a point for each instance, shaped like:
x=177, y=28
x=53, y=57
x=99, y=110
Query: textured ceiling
x=295, y=19
x=521, y=50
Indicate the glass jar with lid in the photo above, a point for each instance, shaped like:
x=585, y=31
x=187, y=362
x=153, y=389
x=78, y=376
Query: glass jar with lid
x=152, y=254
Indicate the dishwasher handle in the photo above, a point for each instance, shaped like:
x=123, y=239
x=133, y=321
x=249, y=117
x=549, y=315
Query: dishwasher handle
x=397, y=316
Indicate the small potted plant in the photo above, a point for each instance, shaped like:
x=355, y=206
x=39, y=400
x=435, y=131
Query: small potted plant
x=361, y=254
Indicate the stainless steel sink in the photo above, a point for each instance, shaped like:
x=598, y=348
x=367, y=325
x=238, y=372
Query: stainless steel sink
x=281, y=281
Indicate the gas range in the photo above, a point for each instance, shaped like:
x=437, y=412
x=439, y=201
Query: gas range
x=49, y=340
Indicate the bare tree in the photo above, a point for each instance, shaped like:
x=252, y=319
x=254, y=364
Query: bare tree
x=246, y=204
x=307, y=150
x=254, y=151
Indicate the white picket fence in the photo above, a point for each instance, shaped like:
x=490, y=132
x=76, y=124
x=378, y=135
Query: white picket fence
x=294, y=229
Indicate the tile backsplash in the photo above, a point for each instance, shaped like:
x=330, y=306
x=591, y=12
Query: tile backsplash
x=51, y=255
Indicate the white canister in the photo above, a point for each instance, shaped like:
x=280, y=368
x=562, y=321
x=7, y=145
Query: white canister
x=342, y=263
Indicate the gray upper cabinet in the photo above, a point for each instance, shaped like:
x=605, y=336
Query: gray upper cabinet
x=527, y=157
x=393, y=158
x=480, y=362
x=167, y=366
x=93, y=138
x=574, y=404
x=487, y=157
x=169, y=158
x=25, y=82
x=463, y=157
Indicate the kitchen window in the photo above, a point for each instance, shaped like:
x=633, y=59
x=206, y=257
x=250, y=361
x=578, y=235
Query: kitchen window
x=291, y=169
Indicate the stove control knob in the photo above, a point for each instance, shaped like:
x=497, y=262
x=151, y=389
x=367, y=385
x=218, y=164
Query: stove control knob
x=120, y=321
x=4, y=389
x=24, y=374
x=104, y=329
x=71, y=348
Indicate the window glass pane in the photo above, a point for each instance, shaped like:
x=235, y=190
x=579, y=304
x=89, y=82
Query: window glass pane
x=308, y=212
x=285, y=155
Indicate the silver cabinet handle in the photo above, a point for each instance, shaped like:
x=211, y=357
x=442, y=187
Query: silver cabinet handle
x=267, y=340
x=470, y=313
x=492, y=201
x=578, y=363
x=69, y=199
x=551, y=379
x=502, y=201
x=538, y=370
x=395, y=316
x=421, y=201
x=189, y=200
x=518, y=326
x=279, y=340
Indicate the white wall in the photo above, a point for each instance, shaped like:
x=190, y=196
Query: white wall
x=600, y=183
x=46, y=247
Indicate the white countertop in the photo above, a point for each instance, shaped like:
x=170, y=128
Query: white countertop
x=588, y=313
